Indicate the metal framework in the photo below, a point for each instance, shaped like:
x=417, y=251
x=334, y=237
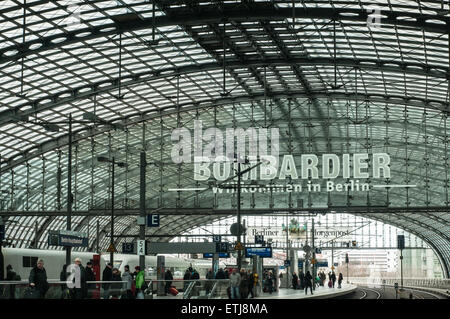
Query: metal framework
x=330, y=80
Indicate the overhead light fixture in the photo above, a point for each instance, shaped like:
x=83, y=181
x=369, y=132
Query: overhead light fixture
x=89, y=116
x=49, y=127
x=102, y=159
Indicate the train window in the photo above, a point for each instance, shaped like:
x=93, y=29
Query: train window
x=29, y=261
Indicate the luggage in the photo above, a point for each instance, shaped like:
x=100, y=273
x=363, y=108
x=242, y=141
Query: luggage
x=32, y=293
x=173, y=291
x=330, y=284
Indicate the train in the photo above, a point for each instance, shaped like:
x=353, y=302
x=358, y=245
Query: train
x=23, y=259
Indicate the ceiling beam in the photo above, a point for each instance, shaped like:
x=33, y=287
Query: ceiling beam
x=88, y=91
x=230, y=12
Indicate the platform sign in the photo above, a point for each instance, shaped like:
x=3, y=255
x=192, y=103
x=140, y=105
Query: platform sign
x=300, y=263
x=318, y=250
x=221, y=247
x=322, y=263
x=346, y=258
x=259, y=239
x=263, y=252
x=152, y=220
x=140, y=247
x=287, y=263
x=127, y=248
x=53, y=238
x=72, y=239
x=221, y=255
x=401, y=241
x=217, y=238
x=2, y=232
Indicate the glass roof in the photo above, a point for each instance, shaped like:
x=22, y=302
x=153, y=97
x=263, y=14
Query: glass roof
x=328, y=74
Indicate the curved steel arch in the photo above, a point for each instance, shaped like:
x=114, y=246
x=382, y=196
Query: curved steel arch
x=62, y=140
x=88, y=91
x=229, y=12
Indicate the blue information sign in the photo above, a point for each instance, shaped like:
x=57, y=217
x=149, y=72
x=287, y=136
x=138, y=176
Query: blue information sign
x=127, y=248
x=221, y=255
x=221, y=247
x=152, y=220
x=300, y=263
x=287, y=263
x=72, y=241
x=322, y=264
x=263, y=252
x=2, y=232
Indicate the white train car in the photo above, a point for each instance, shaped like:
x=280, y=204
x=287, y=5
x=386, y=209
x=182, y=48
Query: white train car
x=22, y=260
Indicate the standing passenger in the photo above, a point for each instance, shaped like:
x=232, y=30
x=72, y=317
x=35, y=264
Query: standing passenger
x=168, y=278
x=38, y=278
x=308, y=282
x=235, y=280
x=140, y=282
x=340, y=280
x=107, y=276
x=129, y=282
x=90, y=276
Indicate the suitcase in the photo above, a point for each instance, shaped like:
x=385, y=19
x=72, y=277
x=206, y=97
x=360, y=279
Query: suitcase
x=173, y=291
x=330, y=284
x=32, y=293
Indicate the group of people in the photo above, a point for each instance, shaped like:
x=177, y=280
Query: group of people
x=305, y=281
x=134, y=284
x=242, y=283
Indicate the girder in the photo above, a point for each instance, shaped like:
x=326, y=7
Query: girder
x=232, y=12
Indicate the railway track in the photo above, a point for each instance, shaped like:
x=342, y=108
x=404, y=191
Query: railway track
x=364, y=292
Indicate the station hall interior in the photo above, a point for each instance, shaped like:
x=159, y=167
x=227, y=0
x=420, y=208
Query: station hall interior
x=269, y=136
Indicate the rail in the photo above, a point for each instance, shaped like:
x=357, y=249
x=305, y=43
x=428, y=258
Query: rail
x=412, y=282
x=188, y=289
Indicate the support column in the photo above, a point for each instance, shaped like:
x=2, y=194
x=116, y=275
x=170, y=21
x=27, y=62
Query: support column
x=142, y=206
x=215, y=263
x=160, y=271
x=257, y=269
x=69, y=191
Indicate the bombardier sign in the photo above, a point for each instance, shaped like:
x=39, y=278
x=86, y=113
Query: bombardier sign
x=216, y=155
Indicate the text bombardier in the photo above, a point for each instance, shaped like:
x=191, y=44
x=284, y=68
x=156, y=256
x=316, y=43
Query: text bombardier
x=332, y=166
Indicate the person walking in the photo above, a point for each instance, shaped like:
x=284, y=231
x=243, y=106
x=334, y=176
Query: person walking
x=90, y=276
x=106, y=276
x=235, y=281
x=340, y=279
x=308, y=283
x=294, y=280
x=186, y=278
x=302, y=280
x=140, y=282
x=38, y=279
x=80, y=293
x=116, y=288
x=65, y=292
x=12, y=276
x=250, y=284
x=333, y=278
x=243, y=286
x=128, y=278
x=220, y=274
x=209, y=283
x=168, y=280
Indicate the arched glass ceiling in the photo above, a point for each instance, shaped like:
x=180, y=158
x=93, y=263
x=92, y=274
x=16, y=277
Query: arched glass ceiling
x=329, y=80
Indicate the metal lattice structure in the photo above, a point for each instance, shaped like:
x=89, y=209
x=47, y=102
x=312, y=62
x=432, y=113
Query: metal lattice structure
x=332, y=81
